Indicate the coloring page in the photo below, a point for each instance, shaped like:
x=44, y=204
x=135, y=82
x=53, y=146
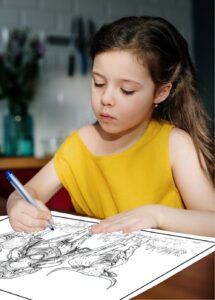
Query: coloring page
x=72, y=263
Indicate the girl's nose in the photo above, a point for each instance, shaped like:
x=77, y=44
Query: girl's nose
x=107, y=97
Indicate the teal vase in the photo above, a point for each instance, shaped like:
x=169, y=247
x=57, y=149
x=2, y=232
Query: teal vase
x=18, y=131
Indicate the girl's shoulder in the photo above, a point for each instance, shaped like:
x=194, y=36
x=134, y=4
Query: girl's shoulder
x=86, y=132
x=179, y=137
x=181, y=146
x=88, y=136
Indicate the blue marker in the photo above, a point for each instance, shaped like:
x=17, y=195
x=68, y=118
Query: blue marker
x=22, y=191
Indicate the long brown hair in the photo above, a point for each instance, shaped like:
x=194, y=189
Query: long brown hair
x=160, y=46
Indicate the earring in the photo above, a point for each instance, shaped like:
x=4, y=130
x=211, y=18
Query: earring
x=156, y=105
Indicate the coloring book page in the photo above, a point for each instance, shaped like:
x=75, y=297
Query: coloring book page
x=72, y=263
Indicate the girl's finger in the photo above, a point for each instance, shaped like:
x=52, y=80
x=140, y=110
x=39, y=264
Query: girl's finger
x=17, y=226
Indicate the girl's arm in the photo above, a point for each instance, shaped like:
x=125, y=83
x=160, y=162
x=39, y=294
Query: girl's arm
x=195, y=187
x=162, y=217
x=193, y=183
x=187, y=221
x=25, y=217
x=196, y=190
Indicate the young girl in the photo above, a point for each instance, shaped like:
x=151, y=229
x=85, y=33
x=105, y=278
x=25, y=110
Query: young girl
x=148, y=160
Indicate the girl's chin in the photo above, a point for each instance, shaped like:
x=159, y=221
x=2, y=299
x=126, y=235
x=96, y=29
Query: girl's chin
x=109, y=128
x=112, y=130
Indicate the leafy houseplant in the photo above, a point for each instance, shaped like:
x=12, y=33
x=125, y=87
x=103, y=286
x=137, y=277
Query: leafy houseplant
x=19, y=73
x=19, y=67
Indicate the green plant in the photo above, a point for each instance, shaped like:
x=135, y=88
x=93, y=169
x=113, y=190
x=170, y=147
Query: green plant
x=19, y=67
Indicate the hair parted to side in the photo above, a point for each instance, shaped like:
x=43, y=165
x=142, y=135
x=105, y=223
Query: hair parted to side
x=162, y=49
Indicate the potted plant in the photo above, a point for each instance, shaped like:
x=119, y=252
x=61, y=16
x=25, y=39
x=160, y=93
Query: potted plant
x=19, y=73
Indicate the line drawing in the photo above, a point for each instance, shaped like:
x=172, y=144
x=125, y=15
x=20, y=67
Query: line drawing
x=30, y=252
x=73, y=248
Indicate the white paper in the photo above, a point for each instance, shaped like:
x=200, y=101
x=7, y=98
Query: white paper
x=71, y=263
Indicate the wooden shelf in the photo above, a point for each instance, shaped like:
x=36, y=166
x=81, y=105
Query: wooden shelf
x=22, y=162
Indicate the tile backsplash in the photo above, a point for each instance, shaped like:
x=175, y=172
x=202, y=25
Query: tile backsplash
x=62, y=103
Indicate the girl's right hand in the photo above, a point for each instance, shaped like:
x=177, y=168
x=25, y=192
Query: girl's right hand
x=25, y=217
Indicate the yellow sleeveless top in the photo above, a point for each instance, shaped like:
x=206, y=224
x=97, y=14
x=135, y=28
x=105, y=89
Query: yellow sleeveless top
x=101, y=186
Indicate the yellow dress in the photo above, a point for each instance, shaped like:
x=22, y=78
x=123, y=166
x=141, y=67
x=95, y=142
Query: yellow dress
x=101, y=186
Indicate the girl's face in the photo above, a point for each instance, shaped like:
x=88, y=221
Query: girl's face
x=123, y=92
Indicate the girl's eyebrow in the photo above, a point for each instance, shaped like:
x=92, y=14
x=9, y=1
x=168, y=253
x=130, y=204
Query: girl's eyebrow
x=121, y=79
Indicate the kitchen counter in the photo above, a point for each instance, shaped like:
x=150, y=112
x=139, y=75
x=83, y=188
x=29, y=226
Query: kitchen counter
x=22, y=162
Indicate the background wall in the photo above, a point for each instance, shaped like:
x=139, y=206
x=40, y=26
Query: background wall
x=203, y=20
x=62, y=103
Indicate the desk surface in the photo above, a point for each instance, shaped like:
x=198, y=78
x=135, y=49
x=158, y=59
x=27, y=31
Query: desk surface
x=194, y=282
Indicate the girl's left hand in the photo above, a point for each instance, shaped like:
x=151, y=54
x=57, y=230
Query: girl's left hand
x=143, y=217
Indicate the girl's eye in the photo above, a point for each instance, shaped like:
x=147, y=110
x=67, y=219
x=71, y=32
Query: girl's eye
x=127, y=92
x=98, y=84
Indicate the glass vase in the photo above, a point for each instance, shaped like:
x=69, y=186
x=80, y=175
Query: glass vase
x=18, y=132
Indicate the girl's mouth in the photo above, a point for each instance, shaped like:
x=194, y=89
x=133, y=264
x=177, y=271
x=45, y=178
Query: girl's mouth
x=106, y=117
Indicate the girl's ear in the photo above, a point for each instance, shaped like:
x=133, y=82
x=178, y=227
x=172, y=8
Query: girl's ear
x=162, y=93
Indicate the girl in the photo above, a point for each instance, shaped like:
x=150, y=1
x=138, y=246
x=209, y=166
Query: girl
x=148, y=160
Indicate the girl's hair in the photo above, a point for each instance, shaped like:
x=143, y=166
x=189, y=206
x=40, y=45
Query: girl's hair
x=164, y=51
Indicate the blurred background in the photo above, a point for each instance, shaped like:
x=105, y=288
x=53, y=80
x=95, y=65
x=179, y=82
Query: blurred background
x=45, y=72
x=60, y=98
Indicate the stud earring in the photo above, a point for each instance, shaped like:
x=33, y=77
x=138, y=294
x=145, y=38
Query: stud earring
x=156, y=105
